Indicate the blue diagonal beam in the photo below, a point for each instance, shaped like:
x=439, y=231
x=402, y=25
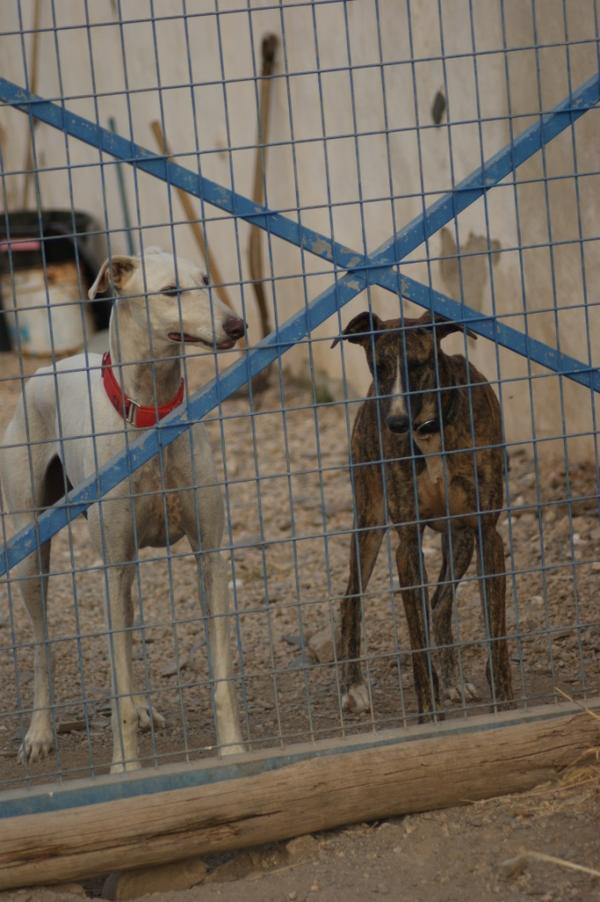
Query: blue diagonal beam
x=367, y=270
x=493, y=328
x=492, y=171
x=392, y=251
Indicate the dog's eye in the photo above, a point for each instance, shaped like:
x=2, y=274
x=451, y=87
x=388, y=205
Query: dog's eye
x=171, y=291
x=205, y=279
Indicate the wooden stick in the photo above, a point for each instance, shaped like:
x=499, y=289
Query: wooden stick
x=255, y=255
x=28, y=165
x=314, y=794
x=190, y=213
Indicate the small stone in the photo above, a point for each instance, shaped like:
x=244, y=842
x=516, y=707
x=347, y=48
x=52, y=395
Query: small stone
x=596, y=566
x=293, y=895
x=302, y=848
x=236, y=584
x=71, y=889
x=172, y=667
x=321, y=645
x=235, y=869
x=71, y=726
x=513, y=866
x=173, y=876
x=315, y=887
x=536, y=601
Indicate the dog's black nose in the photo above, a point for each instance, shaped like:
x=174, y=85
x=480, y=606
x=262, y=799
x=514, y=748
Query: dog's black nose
x=234, y=327
x=398, y=424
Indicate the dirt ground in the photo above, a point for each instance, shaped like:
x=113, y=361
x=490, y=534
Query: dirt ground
x=289, y=513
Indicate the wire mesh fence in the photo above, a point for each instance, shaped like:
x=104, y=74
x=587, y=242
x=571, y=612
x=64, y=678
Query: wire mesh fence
x=375, y=555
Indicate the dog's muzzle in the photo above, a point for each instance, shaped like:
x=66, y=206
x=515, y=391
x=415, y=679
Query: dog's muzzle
x=234, y=327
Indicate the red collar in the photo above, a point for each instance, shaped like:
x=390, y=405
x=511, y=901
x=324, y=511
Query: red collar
x=134, y=413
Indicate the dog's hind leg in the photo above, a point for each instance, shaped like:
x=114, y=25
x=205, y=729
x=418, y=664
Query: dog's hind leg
x=28, y=492
x=367, y=536
x=33, y=583
x=457, y=551
x=492, y=588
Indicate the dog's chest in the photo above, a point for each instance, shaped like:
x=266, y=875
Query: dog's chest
x=159, y=509
x=440, y=493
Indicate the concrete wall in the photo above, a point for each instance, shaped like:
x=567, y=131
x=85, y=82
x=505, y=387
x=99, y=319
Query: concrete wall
x=316, y=161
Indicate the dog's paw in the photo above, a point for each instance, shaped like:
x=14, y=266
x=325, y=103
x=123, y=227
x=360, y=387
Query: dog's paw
x=454, y=695
x=37, y=744
x=356, y=699
x=235, y=749
x=120, y=767
x=148, y=718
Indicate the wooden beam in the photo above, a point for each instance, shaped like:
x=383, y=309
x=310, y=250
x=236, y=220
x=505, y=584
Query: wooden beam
x=314, y=794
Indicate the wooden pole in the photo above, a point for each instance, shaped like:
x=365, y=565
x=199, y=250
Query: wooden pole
x=314, y=794
x=255, y=255
x=35, y=41
x=188, y=209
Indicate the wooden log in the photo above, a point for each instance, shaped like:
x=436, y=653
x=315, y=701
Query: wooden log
x=314, y=794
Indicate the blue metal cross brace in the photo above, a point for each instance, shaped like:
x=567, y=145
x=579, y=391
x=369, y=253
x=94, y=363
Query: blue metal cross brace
x=360, y=272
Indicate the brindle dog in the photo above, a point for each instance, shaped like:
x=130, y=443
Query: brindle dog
x=430, y=429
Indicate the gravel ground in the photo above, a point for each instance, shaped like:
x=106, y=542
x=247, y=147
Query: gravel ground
x=289, y=514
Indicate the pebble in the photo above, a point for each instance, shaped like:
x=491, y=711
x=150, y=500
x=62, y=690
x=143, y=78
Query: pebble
x=176, y=875
x=302, y=848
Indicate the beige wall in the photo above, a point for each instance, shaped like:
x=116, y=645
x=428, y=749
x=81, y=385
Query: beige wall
x=362, y=172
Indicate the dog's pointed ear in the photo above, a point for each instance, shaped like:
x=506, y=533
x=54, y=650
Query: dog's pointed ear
x=359, y=329
x=443, y=326
x=114, y=271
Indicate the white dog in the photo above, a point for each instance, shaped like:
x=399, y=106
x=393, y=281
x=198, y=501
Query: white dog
x=75, y=416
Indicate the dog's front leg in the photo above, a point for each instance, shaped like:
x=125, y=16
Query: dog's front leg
x=124, y=708
x=213, y=588
x=413, y=587
x=492, y=588
x=457, y=550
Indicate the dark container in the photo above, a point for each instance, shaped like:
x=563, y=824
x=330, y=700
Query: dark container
x=29, y=240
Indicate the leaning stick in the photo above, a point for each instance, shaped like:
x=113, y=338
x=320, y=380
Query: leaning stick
x=28, y=165
x=212, y=265
x=269, y=51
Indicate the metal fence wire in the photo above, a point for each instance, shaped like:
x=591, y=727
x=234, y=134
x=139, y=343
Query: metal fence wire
x=319, y=566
